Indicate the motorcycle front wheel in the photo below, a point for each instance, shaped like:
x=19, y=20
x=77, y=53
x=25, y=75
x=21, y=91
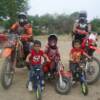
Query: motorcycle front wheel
x=63, y=88
x=7, y=73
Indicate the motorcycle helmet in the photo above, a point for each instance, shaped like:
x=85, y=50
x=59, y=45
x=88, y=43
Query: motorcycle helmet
x=22, y=17
x=82, y=16
x=52, y=41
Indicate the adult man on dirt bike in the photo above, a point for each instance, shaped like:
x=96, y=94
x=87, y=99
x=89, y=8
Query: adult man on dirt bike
x=22, y=27
x=81, y=28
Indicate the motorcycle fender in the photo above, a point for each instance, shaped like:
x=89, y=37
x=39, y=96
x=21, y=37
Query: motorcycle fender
x=6, y=52
x=67, y=74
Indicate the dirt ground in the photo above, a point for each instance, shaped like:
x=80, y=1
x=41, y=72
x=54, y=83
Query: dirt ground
x=18, y=90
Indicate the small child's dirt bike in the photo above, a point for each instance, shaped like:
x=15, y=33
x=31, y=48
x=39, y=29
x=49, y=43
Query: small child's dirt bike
x=62, y=82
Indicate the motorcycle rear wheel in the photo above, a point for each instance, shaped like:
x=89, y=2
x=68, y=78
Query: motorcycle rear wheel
x=93, y=71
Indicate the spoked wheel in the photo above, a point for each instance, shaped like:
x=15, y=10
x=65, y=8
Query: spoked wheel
x=7, y=73
x=64, y=86
x=93, y=71
x=84, y=88
x=38, y=93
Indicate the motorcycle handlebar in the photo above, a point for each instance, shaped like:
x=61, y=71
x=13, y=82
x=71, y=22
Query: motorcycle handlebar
x=15, y=35
x=82, y=32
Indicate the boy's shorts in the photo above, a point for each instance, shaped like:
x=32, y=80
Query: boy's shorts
x=73, y=66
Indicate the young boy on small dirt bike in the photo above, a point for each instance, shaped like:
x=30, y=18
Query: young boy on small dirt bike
x=76, y=54
x=35, y=60
x=53, y=54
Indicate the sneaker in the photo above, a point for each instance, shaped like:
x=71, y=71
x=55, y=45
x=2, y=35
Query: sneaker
x=42, y=88
x=49, y=75
x=43, y=85
x=30, y=88
x=73, y=83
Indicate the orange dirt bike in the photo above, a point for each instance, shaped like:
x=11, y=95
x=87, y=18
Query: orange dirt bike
x=12, y=54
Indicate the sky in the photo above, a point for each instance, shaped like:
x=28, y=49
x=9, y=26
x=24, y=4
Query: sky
x=42, y=7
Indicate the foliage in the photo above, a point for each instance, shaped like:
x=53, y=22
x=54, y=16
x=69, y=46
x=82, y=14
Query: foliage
x=96, y=25
x=11, y=8
x=47, y=23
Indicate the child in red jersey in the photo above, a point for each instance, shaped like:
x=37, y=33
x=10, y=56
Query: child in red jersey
x=34, y=58
x=75, y=56
x=53, y=54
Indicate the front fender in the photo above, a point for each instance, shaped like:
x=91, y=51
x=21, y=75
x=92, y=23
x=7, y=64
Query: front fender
x=67, y=74
x=6, y=52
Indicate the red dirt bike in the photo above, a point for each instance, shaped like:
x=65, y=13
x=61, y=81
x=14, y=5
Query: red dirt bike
x=62, y=82
x=92, y=66
x=12, y=54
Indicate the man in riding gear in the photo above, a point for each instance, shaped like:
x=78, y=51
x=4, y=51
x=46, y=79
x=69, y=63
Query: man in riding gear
x=81, y=28
x=23, y=28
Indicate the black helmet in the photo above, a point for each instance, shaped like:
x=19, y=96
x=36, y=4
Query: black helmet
x=52, y=41
x=22, y=18
x=83, y=17
x=83, y=14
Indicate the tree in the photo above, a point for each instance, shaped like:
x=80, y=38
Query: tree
x=11, y=8
x=96, y=25
x=74, y=15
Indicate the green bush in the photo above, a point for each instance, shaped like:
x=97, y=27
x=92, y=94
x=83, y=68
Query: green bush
x=36, y=31
x=7, y=24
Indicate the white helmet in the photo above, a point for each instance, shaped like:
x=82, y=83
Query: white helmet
x=22, y=18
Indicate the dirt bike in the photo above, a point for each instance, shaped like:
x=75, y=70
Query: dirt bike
x=12, y=54
x=62, y=82
x=93, y=65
